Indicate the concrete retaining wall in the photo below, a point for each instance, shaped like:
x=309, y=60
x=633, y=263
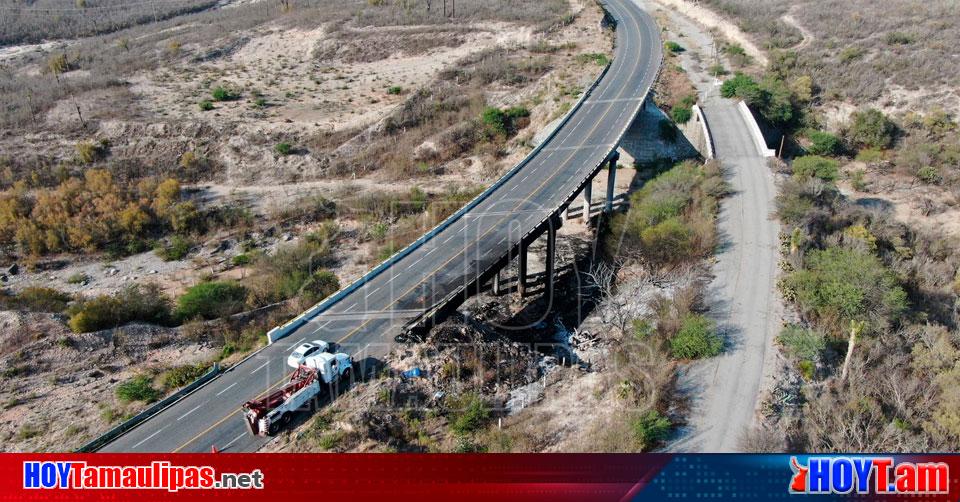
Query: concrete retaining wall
x=755, y=132
x=704, y=140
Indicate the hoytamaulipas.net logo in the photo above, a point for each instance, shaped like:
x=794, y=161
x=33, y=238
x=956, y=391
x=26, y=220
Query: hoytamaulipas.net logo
x=159, y=475
x=868, y=475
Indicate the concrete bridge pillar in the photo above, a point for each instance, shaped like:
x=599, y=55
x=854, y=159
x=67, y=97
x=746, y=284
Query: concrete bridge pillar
x=497, y=286
x=587, y=196
x=522, y=270
x=611, y=180
x=551, y=257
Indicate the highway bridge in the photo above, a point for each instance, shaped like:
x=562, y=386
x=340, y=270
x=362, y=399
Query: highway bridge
x=425, y=281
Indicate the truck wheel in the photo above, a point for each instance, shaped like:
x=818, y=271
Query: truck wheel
x=286, y=418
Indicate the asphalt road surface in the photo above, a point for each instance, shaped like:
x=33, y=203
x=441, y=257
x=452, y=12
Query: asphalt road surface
x=365, y=322
x=743, y=295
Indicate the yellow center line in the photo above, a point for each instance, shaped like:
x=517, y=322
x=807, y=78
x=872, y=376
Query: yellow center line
x=432, y=272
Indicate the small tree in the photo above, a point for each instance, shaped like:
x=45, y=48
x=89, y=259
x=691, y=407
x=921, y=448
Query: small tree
x=815, y=166
x=871, y=128
x=824, y=143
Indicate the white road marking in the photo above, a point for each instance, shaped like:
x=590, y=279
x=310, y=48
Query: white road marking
x=148, y=438
x=228, y=388
x=297, y=342
x=197, y=407
x=233, y=441
x=264, y=365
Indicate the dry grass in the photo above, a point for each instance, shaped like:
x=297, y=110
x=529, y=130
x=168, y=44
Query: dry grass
x=857, y=51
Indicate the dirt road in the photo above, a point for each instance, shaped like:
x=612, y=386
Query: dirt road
x=742, y=295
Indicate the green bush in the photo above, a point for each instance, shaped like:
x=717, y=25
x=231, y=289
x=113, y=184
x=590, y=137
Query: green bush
x=140, y=302
x=801, y=343
x=597, y=57
x=240, y=260
x=179, y=376
x=503, y=122
x=673, y=47
x=824, y=143
x=138, y=388
x=667, y=241
x=221, y=93
x=395, y=90
x=206, y=106
x=78, y=278
x=743, y=87
x=771, y=97
x=872, y=128
x=283, y=148
x=929, y=174
x=870, y=155
x=320, y=285
x=35, y=299
x=468, y=413
x=649, y=429
x=211, y=300
x=695, y=339
x=898, y=38
x=816, y=166
x=681, y=115
x=840, y=285
x=177, y=249
x=671, y=217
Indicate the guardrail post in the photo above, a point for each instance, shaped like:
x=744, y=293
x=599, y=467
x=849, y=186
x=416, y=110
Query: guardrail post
x=522, y=269
x=611, y=179
x=587, y=197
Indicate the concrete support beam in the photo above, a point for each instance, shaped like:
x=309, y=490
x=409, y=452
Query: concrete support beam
x=522, y=270
x=611, y=180
x=587, y=197
x=497, y=287
x=551, y=258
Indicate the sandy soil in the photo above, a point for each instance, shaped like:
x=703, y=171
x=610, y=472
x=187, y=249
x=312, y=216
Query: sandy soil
x=924, y=206
x=64, y=395
x=304, y=93
x=713, y=21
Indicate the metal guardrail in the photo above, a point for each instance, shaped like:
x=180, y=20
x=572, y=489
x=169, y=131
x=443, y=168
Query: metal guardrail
x=155, y=408
x=281, y=331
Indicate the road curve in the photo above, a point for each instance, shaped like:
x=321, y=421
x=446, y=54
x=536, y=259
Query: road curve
x=365, y=321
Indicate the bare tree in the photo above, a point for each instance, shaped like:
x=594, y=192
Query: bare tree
x=856, y=328
x=616, y=307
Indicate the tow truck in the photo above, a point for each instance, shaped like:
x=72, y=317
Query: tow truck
x=265, y=416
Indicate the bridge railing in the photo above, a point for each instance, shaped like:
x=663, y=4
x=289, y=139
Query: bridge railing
x=566, y=201
x=281, y=331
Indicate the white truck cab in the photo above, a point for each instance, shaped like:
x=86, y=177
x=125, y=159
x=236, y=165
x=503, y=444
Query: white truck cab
x=330, y=366
x=320, y=371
